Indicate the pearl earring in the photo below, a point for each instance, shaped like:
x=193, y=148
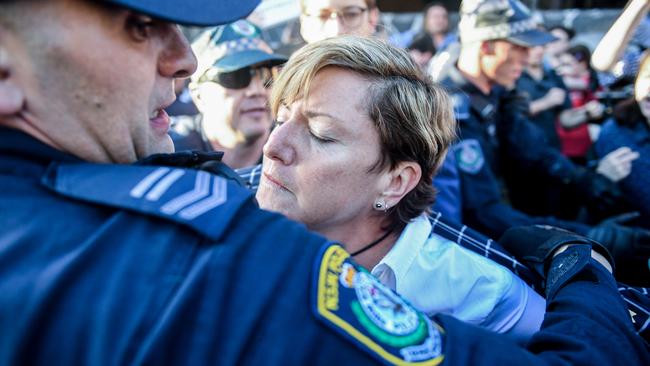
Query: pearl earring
x=380, y=205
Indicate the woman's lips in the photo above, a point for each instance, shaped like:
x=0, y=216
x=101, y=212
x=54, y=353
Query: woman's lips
x=275, y=182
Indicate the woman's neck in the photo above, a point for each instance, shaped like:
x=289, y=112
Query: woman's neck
x=355, y=236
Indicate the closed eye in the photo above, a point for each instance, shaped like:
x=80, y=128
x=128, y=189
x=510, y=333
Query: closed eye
x=319, y=139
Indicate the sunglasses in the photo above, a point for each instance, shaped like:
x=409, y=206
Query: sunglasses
x=240, y=79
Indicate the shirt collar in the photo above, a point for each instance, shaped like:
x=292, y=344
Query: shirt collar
x=406, y=248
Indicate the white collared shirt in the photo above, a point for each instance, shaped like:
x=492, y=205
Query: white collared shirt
x=439, y=276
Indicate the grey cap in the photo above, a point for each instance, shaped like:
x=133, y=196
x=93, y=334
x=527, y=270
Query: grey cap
x=484, y=20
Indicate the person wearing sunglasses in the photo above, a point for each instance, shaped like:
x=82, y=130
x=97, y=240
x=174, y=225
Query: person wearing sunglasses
x=320, y=19
x=230, y=89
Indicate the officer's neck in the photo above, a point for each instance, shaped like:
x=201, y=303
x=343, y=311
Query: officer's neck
x=479, y=80
x=240, y=155
x=469, y=66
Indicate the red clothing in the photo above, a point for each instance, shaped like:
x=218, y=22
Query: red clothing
x=575, y=142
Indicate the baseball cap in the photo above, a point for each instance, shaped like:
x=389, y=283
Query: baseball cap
x=232, y=47
x=484, y=20
x=192, y=12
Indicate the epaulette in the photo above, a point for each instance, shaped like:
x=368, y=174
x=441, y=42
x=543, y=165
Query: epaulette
x=197, y=199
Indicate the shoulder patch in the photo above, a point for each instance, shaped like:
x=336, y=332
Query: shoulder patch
x=355, y=304
x=197, y=199
x=469, y=156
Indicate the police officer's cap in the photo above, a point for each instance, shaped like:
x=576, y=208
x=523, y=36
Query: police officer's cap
x=484, y=20
x=232, y=47
x=192, y=12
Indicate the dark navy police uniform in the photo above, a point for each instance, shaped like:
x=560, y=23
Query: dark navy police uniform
x=125, y=264
x=636, y=136
x=478, y=156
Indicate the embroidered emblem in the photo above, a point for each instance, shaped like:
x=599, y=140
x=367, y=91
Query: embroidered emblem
x=469, y=156
x=243, y=27
x=352, y=302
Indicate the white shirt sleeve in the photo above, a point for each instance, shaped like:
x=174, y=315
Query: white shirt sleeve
x=439, y=276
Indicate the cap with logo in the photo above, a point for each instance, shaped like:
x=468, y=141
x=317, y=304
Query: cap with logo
x=484, y=20
x=192, y=12
x=232, y=47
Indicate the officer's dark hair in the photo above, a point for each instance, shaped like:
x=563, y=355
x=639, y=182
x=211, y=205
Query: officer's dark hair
x=423, y=43
x=568, y=31
x=581, y=53
x=413, y=116
x=628, y=113
x=432, y=5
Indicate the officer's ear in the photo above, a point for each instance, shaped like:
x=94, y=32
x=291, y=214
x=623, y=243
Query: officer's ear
x=12, y=97
x=487, y=47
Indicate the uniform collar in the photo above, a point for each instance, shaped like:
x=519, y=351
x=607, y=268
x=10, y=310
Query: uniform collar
x=19, y=144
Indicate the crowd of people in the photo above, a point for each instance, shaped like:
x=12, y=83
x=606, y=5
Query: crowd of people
x=333, y=205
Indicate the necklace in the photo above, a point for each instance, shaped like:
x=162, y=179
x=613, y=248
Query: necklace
x=371, y=244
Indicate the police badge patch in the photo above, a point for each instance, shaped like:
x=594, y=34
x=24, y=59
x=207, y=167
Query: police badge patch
x=354, y=303
x=469, y=156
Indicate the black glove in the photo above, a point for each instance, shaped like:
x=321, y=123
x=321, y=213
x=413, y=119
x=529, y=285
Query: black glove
x=622, y=241
x=514, y=104
x=536, y=245
x=600, y=193
x=209, y=161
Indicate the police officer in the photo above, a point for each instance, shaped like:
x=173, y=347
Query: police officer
x=495, y=37
x=105, y=263
x=230, y=88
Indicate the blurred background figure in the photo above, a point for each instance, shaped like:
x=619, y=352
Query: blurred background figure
x=548, y=102
x=578, y=130
x=320, y=19
x=230, y=90
x=436, y=25
x=563, y=36
x=422, y=50
x=629, y=129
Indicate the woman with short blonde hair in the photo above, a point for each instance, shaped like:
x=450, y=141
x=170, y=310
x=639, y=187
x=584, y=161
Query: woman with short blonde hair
x=360, y=133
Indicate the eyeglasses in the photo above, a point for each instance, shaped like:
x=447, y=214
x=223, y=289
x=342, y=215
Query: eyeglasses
x=349, y=17
x=240, y=79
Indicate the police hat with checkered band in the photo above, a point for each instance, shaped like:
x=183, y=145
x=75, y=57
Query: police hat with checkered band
x=484, y=20
x=231, y=47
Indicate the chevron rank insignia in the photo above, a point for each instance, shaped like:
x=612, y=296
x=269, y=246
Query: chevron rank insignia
x=197, y=199
x=355, y=304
